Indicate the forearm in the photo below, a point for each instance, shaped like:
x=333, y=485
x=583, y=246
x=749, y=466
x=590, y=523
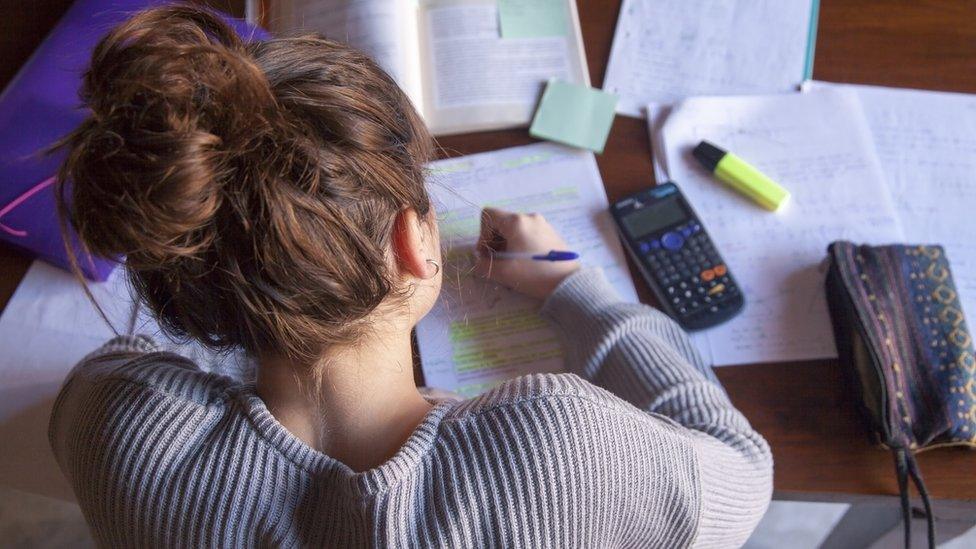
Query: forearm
x=637, y=353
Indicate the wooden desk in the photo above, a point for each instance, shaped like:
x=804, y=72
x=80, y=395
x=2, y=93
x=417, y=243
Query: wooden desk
x=803, y=409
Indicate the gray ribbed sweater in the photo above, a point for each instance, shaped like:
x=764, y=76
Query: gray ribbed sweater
x=161, y=454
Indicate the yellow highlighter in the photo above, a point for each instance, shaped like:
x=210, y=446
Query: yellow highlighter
x=741, y=176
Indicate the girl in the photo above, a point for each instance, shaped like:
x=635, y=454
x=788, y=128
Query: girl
x=270, y=197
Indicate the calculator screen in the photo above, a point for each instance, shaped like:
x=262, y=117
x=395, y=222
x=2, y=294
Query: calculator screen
x=654, y=217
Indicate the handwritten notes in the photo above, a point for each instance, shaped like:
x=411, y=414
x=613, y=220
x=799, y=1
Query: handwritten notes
x=478, y=333
x=816, y=145
x=666, y=50
x=927, y=145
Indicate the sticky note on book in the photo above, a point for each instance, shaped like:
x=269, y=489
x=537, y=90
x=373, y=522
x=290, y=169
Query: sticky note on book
x=574, y=115
x=532, y=18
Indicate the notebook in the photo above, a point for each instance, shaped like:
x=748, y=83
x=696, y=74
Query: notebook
x=818, y=146
x=666, y=50
x=450, y=56
x=927, y=145
x=479, y=333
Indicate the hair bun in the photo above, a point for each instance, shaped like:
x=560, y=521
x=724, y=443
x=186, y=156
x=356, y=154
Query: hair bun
x=174, y=98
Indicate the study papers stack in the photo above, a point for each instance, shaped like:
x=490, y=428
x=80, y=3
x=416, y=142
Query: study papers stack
x=479, y=333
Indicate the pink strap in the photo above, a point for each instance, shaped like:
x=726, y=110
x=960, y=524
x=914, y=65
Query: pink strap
x=20, y=200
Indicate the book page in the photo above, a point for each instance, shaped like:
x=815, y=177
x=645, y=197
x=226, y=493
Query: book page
x=386, y=30
x=479, y=333
x=927, y=145
x=666, y=50
x=475, y=80
x=817, y=146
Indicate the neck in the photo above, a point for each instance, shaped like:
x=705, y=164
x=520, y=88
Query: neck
x=356, y=404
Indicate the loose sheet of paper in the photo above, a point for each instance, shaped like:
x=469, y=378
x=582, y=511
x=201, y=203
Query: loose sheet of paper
x=665, y=50
x=478, y=333
x=816, y=145
x=927, y=145
x=46, y=328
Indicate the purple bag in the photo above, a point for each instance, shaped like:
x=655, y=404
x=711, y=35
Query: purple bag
x=40, y=106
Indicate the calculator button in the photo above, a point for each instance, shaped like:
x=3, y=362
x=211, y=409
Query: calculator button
x=696, y=227
x=672, y=241
x=686, y=231
x=716, y=289
x=655, y=244
x=720, y=270
x=644, y=247
x=707, y=275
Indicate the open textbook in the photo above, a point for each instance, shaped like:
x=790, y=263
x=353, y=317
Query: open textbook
x=478, y=333
x=448, y=55
x=927, y=145
x=818, y=146
x=666, y=50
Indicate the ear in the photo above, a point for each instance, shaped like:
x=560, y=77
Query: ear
x=412, y=246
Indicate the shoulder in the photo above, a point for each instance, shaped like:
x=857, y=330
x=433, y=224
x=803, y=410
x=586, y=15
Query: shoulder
x=557, y=436
x=121, y=390
x=137, y=363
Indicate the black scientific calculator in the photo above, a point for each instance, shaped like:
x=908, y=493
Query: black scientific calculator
x=677, y=258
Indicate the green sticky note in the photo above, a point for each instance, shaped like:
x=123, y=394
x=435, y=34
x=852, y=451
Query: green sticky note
x=574, y=115
x=532, y=18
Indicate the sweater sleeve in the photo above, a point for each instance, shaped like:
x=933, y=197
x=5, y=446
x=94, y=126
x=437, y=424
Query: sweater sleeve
x=643, y=357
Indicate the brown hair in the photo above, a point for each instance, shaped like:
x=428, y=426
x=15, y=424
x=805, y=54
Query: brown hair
x=253, y=188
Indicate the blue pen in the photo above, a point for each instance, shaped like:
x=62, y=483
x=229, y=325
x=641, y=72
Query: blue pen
x=551, y=255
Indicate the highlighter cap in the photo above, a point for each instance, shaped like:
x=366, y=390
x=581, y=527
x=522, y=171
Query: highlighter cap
x=709, y=155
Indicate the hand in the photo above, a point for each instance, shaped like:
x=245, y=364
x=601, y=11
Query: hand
x=503, y=231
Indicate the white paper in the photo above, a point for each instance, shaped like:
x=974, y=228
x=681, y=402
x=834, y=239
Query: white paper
x=48, y=325
x=817, y=146
x=478, y=333
x=473, y=65
x=666, y=50
x=927, y=145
